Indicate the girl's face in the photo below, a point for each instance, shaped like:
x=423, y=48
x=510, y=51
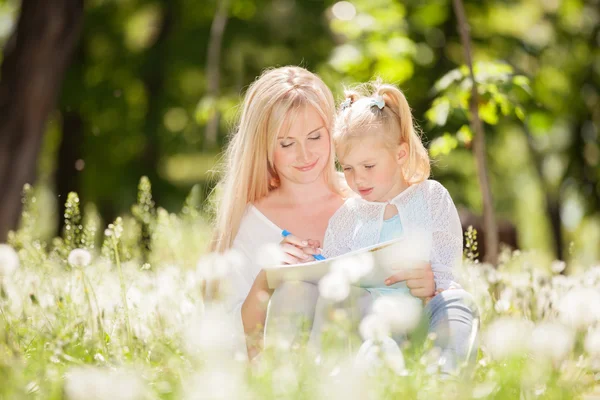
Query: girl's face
x=373, y=170
x=302, y=154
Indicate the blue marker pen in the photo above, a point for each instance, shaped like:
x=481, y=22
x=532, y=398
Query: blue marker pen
x=316, y=256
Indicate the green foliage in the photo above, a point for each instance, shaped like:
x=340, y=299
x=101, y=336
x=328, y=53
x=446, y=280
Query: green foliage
x=144, y=213
x=470, y=252
x=73, y=232
x=500, y=92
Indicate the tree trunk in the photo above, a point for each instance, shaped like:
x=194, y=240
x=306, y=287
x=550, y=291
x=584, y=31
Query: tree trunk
x=35, y=60
x=552, y=197
x=213, y=73
x=70, y=162
x=489, y=219
x=153, y=76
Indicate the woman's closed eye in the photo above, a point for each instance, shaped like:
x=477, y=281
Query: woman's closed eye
x=286, y=144
x=316, y=137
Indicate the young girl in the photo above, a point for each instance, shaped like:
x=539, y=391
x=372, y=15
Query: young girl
x=385, y=162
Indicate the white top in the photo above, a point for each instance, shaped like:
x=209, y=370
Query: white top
x=255, y=231
x=429, y=218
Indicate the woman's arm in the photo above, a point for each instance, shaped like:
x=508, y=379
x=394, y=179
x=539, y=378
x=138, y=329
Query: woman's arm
x=254, y=308
x=254, y=313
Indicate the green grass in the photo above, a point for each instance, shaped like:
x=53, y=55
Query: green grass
x=134, y=324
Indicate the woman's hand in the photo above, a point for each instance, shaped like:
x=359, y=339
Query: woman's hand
x=298, y=250
x=418, y=278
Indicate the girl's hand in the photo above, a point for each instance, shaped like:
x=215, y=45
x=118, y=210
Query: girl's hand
x=298, y=250
x=418, y=278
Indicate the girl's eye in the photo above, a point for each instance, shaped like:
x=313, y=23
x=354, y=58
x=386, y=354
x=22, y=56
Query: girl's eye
x=347, y=168
x=369, y=166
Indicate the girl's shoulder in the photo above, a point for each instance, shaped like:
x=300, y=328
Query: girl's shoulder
x=430, y=189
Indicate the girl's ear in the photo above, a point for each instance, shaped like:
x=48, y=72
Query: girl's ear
x=402, y=154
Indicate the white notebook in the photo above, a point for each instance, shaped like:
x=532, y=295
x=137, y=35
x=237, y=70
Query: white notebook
x=388, y=258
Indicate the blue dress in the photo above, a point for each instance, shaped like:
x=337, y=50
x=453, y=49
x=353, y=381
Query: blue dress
x=391, y=229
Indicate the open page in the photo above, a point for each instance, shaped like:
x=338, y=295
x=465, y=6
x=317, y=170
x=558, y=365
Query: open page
x=388, y=257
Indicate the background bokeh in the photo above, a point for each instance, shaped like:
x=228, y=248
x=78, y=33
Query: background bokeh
x=144, y=94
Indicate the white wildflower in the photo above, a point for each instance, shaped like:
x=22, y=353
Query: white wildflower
x=213, y=266
x=558, y=266
x=484, y=390
x=285, y=380
x=96, y=383
x=79, y=258
x=507, y=337
x=9, y=260
x=334, y=286
x=271, y=255
x=347, y=381
x=520, y=280
x=354, y=267
x=402, y=312
x=592, y=342
x=211, y=334
x=222, y=382
x=374, y=327
x=552, y=340
x=395, y=360
x=134, y=297
x=579, y=308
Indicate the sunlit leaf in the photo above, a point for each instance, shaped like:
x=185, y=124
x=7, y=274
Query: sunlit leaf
x=488, y=112
x=438, y=113
x=442, y=145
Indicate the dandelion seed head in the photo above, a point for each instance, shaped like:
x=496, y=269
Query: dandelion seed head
x=213, y=266
x=402, y=312
x=374, y=327
x=334, y=286
x=354, y=267
x=507, y=337
x=92, y=383
x=271, y=255
x=9, y=260
x=592, y=342
x=558, y=266
x=79, y=258
x=211, y=334
x=552, y=340
x=579, y=308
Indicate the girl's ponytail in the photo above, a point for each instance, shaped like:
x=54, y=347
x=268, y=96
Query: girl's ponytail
x=418, y=168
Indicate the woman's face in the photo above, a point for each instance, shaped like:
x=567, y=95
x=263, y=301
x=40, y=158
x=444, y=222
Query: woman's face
x=301, y=155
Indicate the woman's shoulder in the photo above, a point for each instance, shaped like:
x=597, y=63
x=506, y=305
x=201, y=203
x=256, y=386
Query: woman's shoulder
x=255, y=224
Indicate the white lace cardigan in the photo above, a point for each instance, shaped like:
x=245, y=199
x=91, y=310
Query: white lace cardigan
x=428, y=216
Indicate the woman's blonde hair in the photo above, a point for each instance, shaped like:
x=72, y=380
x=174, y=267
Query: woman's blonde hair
x=360, y=115
x=249, y=173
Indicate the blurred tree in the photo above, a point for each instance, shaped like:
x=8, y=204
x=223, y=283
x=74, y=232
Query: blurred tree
x=213, y=66
x=33, y=65
x=489, y=219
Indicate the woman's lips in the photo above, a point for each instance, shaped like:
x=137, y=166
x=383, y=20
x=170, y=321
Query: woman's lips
x=307, y=167
x=365, y=192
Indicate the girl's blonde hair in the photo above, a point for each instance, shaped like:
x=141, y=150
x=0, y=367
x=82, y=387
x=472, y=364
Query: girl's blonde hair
x=360, y=115
x=249, y=173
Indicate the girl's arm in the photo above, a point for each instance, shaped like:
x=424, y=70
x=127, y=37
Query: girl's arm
x=446, y=249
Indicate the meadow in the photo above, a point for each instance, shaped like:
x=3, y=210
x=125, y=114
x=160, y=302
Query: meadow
x=122, y=311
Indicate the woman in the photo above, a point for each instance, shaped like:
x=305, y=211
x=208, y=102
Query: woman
x=280, y=174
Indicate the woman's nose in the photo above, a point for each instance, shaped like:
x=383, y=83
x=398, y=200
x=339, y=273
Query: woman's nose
x=303, y=154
